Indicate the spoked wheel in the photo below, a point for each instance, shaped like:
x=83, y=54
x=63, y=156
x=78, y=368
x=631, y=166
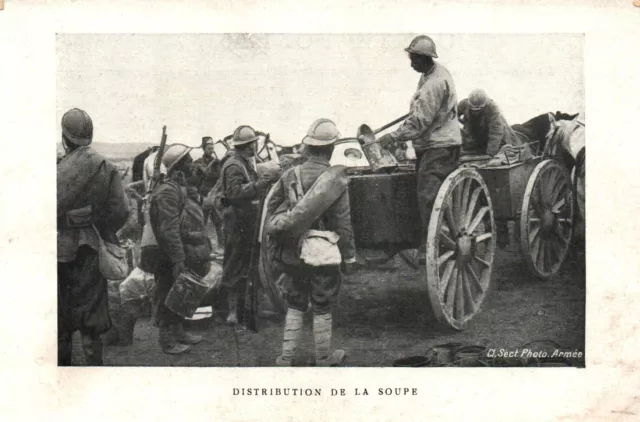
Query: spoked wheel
x=546, y=221
x=272, y=279
x=461, y=241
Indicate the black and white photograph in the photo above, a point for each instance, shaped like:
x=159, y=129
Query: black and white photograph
x=319, y=211
x=321, y=200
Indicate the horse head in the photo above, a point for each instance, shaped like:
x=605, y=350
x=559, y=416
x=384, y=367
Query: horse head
x=266, y=149
x=564, y=116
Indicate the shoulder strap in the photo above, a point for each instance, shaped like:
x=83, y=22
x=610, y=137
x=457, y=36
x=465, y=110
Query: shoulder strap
x=299, y=187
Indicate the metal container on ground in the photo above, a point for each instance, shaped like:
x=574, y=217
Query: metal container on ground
x=443, y=354
x=187, y=293
x=412, y=362
x=470, y=356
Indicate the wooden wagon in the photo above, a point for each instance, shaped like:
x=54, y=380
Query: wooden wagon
x=535, y=192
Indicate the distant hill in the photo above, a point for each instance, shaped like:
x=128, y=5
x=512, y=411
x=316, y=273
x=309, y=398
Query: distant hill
x=121, y=151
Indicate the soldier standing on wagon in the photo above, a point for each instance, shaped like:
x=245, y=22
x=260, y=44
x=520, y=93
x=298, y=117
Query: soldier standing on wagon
x=241, y=192
x=178, y=225
x=91, y=204
x=432, y=126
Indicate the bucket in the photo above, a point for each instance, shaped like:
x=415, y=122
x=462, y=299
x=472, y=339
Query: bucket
x=412, y=362
x=186, y=294
x=378, y=157
x=443, y=354
x=470, y=356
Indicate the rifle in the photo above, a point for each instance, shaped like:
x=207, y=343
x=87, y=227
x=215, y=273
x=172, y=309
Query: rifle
x=158, y=161
x=253, y=286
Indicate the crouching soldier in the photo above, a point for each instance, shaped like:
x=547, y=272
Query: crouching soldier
x=178, y=225
x=328, y=210
x=485, y=130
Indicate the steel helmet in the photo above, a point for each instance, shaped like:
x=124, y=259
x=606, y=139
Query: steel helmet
x=244, y=135
x=321, y=132
x=422, y=45
x=477, y=99
x=77, y=127
x=173, y=154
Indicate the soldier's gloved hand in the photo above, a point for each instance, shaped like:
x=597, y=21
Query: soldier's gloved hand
x=386, y=141
x=178, y=268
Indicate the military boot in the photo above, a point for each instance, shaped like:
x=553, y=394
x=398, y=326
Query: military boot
x=184, y=337
x=92, y=347
x=232, y=317
x=168, y=342
x=322, y=332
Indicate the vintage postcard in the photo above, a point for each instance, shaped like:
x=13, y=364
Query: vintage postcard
x=321, y=221
x=473, y=222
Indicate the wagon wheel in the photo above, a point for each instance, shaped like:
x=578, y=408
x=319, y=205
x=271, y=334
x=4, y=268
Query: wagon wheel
x=271, y=277
x=546, y=222
x=461, y=241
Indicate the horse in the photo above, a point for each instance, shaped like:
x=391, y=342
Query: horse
x=138, y=163
x=566, y=138
x=536, y=129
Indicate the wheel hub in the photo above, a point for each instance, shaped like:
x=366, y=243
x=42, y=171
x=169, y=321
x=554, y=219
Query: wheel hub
x=465, y=246
x=548, y=221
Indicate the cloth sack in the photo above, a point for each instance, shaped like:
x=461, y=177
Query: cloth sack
x=112, y=260
x=319, y=248
x=138, y=286
x=149, y=249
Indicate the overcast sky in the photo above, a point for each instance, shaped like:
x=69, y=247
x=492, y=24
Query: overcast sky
x=201, y=84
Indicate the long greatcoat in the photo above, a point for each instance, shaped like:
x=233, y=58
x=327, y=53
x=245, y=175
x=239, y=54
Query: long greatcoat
x=241, y=201
x=91, y=202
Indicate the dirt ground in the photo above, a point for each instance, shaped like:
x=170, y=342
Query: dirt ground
x=382, y=315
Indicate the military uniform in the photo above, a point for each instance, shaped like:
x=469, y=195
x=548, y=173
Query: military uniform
x=319, y=285
x=241, y=194
x=432, y=125
x=91, y=203
x=178, y=225
x=486, y=133
x=208, y=168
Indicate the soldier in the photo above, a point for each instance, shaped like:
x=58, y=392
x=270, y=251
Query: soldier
x=318, y=285
x=178, y=225
x=242, y=189
x=208, y=169
x=91, y=204
x=485, y=131
x=432, y=126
